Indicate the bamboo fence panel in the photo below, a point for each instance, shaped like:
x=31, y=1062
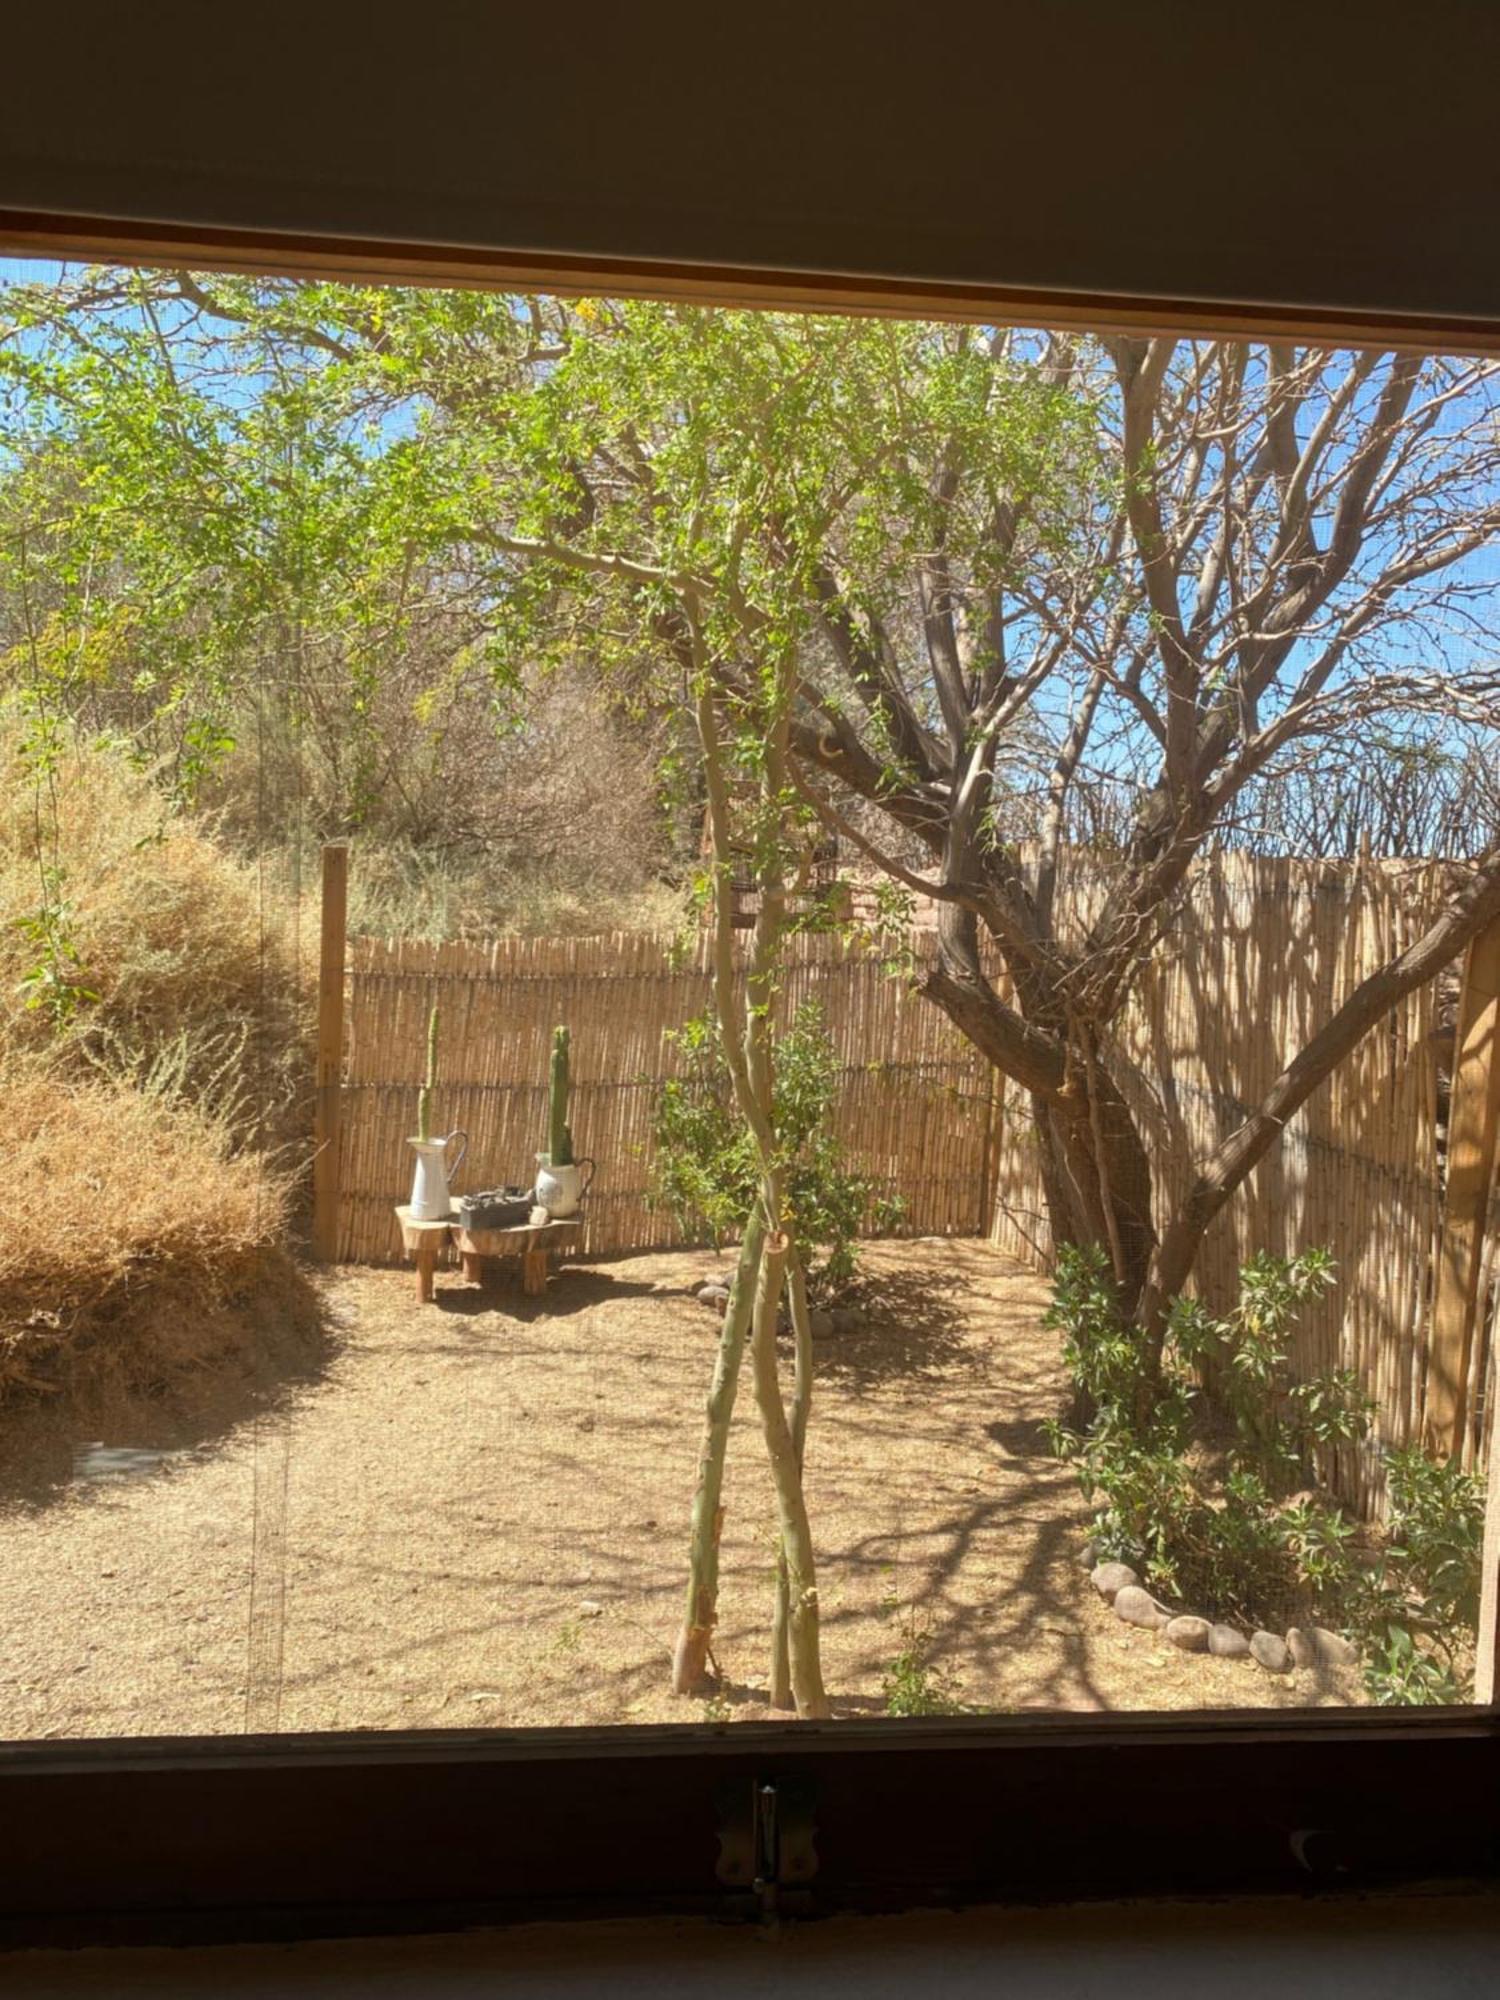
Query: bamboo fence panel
x=912, y=1104
x=1277, y=944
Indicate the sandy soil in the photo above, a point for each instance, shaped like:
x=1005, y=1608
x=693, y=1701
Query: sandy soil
x=474, y=1513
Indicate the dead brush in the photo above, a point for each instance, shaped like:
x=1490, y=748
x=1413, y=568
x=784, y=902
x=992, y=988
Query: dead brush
x=154, y=1252
x=179, y=946
x=159, y=1126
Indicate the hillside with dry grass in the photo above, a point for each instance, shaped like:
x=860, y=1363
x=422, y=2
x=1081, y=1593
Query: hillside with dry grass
x=155, y=1062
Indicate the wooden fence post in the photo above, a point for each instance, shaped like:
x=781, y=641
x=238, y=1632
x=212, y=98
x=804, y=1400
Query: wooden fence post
x=327, y=1107
x=1473, y=1123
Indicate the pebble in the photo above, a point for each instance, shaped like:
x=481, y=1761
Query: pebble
x=1111, y=1578
x=589, y=1609
x=1139, y=1607
x=1227, y=1644
x=1302, y=1646
x=1187, y=1633
x=1270, y=1652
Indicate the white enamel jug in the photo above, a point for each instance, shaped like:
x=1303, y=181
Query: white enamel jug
x=430, y=1199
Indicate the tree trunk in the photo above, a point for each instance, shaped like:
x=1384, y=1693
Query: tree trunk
x=806, y=1672
x=1096, y=1171
x=1106, y=1170
x=690, y=1658
x=796, y=1294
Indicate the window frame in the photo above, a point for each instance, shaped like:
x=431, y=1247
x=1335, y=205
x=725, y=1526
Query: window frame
x=115, y=1839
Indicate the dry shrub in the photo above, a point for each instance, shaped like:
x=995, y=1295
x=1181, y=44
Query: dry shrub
x=156, y=1129
x=198, y=988
x=141, y=1251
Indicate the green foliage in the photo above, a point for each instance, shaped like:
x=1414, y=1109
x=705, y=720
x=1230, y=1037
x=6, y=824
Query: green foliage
x=254, y=484
x=53, y=982
x=1437, y=1533
x=1192, y=1463
x=1399, y=1674
x=1424, y=1604
x=913, y=1684
x=705, y=1166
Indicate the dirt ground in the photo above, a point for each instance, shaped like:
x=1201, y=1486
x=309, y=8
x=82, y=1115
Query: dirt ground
x=474, y=1513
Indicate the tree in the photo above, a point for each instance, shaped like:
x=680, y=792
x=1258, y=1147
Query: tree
x=1040, y=592
x=770, y=1268
x=1023, y=576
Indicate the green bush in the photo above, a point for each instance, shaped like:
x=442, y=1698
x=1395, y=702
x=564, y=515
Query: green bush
x=705, y=1167
x=913, y=1684
x=1195, y=1469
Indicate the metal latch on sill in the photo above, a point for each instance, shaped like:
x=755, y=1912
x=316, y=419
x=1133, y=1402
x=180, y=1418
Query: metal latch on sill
x=766, y=1844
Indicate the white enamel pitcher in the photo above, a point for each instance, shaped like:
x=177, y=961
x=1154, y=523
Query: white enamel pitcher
x=430, y=1199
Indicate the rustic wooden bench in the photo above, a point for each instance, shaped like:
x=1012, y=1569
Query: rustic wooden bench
x=532, y=1243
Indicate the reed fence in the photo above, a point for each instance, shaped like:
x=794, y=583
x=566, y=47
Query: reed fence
x=1259, y=953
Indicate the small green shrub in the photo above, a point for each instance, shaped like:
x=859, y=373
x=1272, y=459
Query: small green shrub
x=705, y=1167
x=1399, y=1674
x=1421, y=1609
x=1195, y=1469
x=912, y=1684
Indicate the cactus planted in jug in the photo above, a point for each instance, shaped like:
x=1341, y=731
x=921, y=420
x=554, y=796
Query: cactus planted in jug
x=559, y=1132
x=431, y=1200
x=424, y=1095
x=560, y=1181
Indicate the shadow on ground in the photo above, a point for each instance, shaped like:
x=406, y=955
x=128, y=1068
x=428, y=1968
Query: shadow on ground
x=911, y=1324
x=101, y=1434
x=571, y=1290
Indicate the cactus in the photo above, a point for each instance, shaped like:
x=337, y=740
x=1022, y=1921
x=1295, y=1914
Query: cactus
x=559, y=1132
x=424, y=1095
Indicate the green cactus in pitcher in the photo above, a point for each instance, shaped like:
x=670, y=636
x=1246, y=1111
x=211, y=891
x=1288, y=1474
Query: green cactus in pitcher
x=424, y=1095
x=559, y=1132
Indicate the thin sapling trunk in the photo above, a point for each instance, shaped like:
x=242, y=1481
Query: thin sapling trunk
x=690, y=1656
x=805, y=1670
x=796, y=1295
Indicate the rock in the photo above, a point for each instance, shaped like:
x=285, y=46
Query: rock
x=1302, y=1646
x=1139, y=1607
x=846, y=1319
x=589, y=1609
x=1109, y=1578
x=1187, y=1633
x=712, y=1295
x=1333, y=1649
x=1227, y=1644
x=820, y=1323
x=1270, y=1652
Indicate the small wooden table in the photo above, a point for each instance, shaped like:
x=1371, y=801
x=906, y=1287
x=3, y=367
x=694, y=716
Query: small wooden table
x=531, y=1243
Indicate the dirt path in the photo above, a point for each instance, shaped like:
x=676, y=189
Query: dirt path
x=476, y=1515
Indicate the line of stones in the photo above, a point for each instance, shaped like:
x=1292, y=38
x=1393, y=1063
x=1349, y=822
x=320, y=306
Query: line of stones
x=1118, y=1584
